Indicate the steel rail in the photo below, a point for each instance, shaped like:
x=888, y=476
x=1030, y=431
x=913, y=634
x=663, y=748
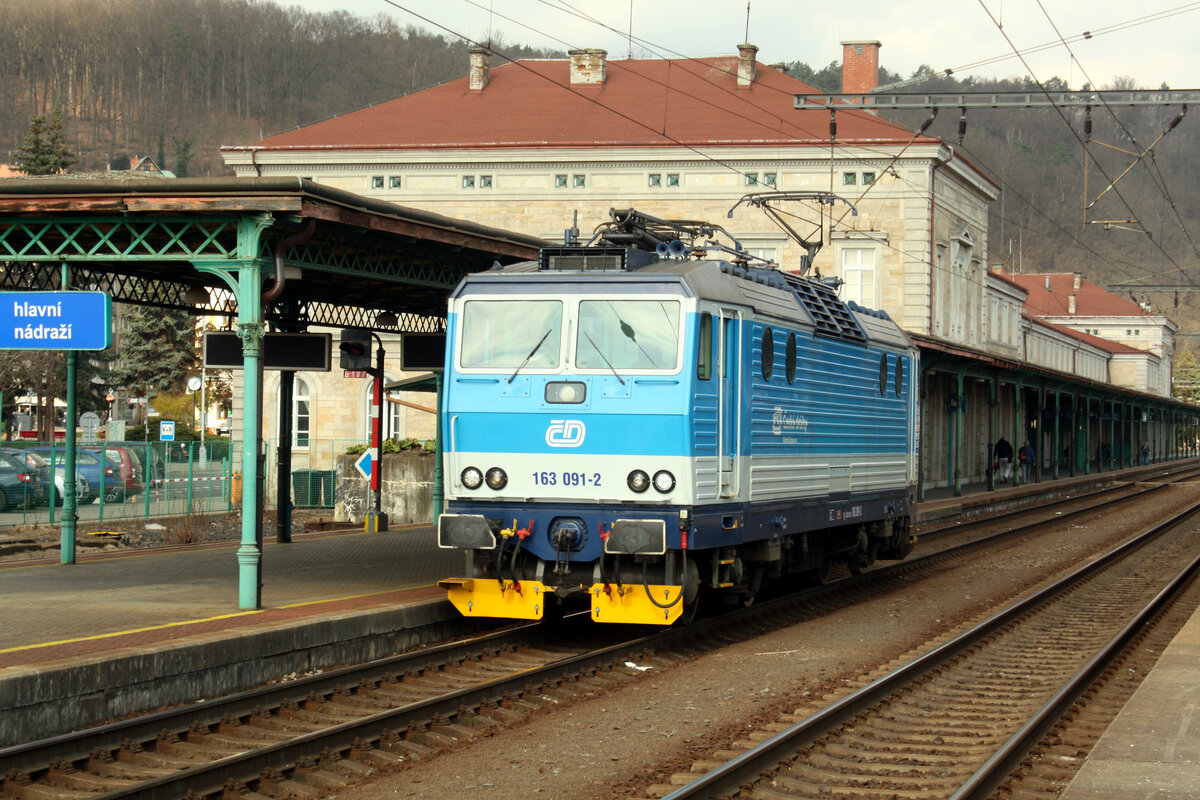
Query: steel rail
x=997, y=769
x=209, y=779
x=766, y=756
x=39, y=755
x=1117, y=485
x=78, y=745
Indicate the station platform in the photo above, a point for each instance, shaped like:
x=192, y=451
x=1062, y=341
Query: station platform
x=123, y=632
x=1151, y=751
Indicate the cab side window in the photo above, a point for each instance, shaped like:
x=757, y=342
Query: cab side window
x=704, y=358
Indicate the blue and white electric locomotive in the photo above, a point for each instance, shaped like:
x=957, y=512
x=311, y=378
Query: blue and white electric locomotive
x=639, y=428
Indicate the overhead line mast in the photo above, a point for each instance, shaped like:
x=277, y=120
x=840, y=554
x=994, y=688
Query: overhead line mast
x=1085, y=100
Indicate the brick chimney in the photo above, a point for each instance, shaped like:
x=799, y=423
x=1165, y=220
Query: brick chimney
x=587, y=66
x=1070, y=304
x=746, y=65
x=1078, y=280
x=479, y=67
x=860, y=66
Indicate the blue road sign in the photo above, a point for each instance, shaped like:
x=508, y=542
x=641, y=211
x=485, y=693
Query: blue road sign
x=55, y=320
x=363, y=464
x=166, y=431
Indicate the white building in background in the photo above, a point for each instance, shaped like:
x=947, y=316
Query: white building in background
x=902, y=218
x=529, y=145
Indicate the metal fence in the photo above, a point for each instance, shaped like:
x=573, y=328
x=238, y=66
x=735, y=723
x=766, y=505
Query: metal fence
x=139, y=480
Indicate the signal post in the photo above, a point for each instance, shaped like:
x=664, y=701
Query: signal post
x=355, y=348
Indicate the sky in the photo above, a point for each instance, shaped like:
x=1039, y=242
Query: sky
x=1153, y=42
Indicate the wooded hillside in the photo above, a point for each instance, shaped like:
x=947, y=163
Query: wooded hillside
x=176, y=79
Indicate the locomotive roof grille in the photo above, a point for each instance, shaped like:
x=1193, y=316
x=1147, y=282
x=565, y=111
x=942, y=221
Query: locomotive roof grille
x=592, y=259
x=830, y=315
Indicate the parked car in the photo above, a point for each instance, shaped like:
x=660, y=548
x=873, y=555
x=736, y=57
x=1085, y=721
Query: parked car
x=23, y=479
x=83, y=492
x=88, y=466
x=127, y=472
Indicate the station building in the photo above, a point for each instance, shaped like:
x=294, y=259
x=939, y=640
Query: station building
x=543, y=146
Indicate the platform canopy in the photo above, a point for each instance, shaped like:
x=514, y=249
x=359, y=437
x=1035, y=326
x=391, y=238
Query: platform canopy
x=283, y=252
x=149, y=241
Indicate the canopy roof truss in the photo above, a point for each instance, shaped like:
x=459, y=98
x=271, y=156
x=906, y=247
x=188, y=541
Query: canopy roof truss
x=284, y=251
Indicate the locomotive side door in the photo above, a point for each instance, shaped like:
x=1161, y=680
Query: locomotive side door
x=729, y=401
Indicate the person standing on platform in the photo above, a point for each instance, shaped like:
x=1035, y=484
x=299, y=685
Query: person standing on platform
x=1145, y=453
x=1004, y=454
x=1028, y=460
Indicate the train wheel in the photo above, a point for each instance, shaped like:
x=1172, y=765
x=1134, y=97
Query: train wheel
x=754, y=585
x=820, y=575
x=691, y=591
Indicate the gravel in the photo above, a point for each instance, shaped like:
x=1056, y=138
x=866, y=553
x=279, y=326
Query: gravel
x=618, y=742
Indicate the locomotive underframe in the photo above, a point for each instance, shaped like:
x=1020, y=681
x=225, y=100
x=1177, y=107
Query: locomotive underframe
x=730, y=551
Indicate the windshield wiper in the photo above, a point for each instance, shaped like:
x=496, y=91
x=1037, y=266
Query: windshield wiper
x=536, y=347
x=606, y=361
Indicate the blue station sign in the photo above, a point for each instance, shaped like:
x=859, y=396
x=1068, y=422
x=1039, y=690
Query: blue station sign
x=55, y=320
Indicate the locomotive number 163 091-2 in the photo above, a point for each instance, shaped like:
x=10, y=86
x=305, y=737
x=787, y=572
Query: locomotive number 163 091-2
x=566, y=479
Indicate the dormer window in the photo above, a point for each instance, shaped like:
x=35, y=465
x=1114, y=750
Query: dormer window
x=961, y=247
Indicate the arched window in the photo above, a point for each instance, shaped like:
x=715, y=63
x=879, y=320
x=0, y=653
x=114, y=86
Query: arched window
x=899, y=376
x=301, y=414
x=883, y=374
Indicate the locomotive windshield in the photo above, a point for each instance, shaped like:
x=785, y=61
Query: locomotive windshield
x=627, y=334
x=511, y=334
x=523, y=335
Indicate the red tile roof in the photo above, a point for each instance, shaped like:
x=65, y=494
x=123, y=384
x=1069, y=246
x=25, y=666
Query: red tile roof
x=643, y=103
x=1090, y=299
x=1108, y=345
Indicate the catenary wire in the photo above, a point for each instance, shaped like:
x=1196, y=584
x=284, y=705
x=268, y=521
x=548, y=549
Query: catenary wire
x=919, y=258
x=1075, y=133
x=1161, y=182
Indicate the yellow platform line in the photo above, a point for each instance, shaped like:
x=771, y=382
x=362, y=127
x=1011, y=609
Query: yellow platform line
x=357, y=596
x=126, y=633
x=206, y=619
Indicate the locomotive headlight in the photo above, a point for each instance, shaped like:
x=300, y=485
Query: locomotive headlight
x=566, y=392
x=638, y=481
x=471, y=478
x=664, y=481
x=497, y=478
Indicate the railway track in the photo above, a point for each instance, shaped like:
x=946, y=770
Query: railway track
x=325, y=730
x=338, y=727
x=956, y=721
x=1062, y=507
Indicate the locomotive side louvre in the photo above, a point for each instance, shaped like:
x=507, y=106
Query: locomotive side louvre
x=832, y=444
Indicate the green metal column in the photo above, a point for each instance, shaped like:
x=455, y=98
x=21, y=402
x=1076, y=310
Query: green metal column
x=70, y=508
x=1087, y=435
x=991, y=454
x=1039, y=443
x=1057, y=433
x=958, y=433
x=1112, y=432
x=244, y=276
x=1133, y=435
x=250, y=330
x=1018, y=433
